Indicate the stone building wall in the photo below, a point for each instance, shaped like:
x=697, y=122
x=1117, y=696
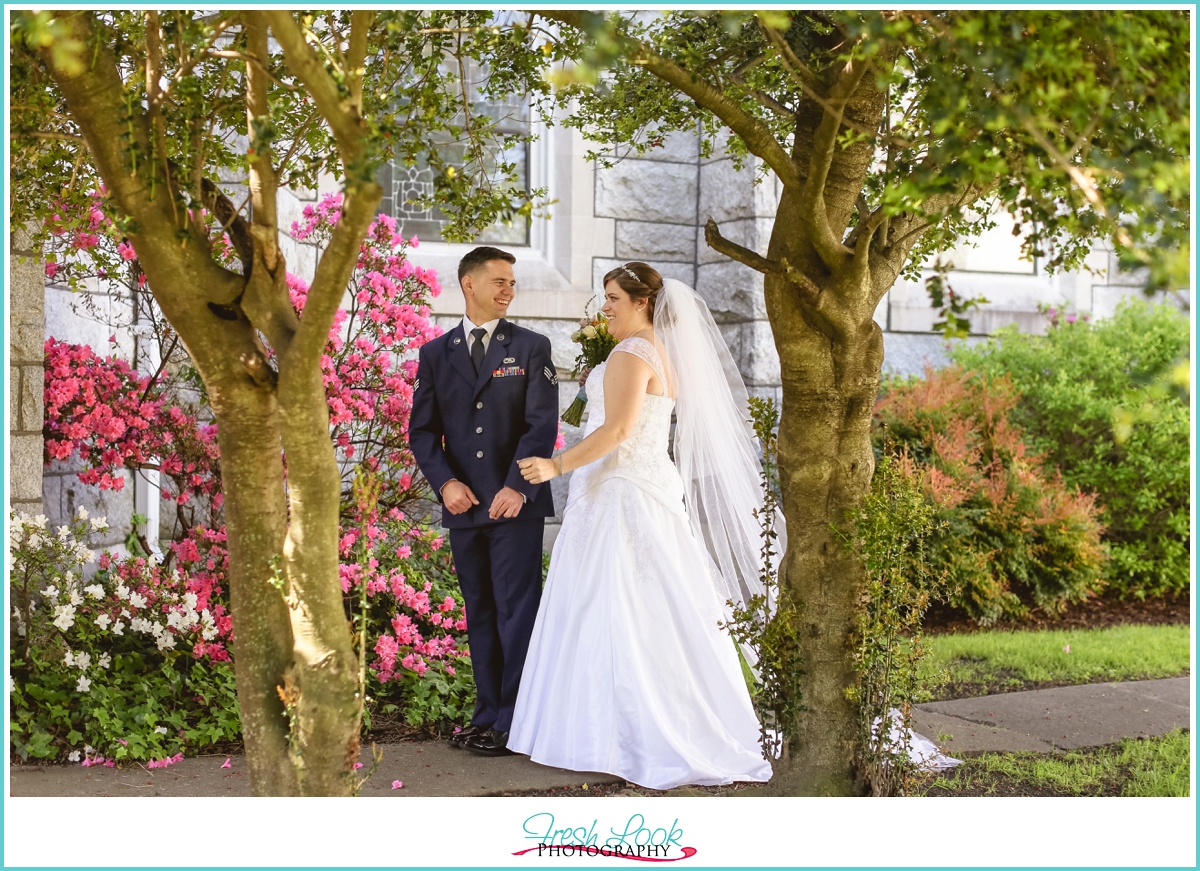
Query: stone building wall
x=26, y=316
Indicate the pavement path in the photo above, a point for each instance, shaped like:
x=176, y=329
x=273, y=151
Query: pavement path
x=1063, y=718
x=1043, y=721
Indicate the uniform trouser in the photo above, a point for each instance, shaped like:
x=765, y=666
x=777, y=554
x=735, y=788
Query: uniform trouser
x=499, y=570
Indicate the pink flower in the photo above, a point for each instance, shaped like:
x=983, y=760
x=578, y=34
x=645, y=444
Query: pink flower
x=396, y=784
x=357, y=765
x=227, y=763
x=51, y=270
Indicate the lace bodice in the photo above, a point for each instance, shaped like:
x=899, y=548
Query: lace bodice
x=644, y=456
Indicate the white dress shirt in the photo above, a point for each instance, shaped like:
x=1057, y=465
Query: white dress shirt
x=490, y=326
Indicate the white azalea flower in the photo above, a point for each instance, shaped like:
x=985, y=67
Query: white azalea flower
x=166, y=641
x=189, y=601
x=73, y=756
x=89, y=749
x=84, y=685
x=104, y=661
x=118, y=628
x=137, y=600
x=95, y=591
x=75, y=598
x=40, y=521
x=69, y=659
x=35, y=541
x=84, y=554
x=69, y=577
x=139, y=624
x=125, y=613
x=51, y=592
x=174, y=619
x=82, y=661
x=103, y=620
x=122, y=592
x=81, y=513
x=162, y=730
x=63, y=533
x=64, y=617
x=99, y=524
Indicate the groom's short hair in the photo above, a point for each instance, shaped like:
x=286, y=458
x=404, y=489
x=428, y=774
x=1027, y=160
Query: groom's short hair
x=476, y=257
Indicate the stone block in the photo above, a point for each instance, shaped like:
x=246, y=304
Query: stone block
x=647, y=190
x=25, y=467
x=27, y=288
x=63, y=493
x=759, y=362
x=734, y=292
x=685, y=272
x=642, y=240
x=725, y=193
x=26, y=343
x=562, y=349
x=680, y=146
x=14, y=398
x=32, y=406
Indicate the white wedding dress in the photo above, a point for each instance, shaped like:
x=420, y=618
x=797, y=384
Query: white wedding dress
x=628, y=671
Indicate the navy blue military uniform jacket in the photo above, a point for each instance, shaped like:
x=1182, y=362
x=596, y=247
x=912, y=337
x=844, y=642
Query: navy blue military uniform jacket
x=475, y=427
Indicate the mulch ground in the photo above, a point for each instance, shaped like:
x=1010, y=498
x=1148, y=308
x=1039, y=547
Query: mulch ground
x=1099, y=613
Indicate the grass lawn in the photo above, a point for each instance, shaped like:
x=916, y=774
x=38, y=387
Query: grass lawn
x=1149, y=766
x=982, y=663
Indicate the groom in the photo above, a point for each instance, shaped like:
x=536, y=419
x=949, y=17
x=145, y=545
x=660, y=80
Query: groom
x=486, y=393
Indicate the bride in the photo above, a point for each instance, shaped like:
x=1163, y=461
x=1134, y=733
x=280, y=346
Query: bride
x=628, y=670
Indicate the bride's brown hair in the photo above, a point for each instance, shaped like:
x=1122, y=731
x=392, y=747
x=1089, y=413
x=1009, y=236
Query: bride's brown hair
x=639, y=280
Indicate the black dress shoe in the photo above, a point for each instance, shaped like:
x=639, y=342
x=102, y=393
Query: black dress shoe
x=489, y=743
x=462, y=735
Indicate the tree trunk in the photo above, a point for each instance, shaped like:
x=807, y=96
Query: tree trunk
x=255, y=516
x=825, y=469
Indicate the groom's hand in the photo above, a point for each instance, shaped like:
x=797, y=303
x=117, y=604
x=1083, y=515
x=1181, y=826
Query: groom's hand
x=507, y=503
x=457, y=497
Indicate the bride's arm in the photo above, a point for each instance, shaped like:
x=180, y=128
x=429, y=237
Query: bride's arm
x=625, y=380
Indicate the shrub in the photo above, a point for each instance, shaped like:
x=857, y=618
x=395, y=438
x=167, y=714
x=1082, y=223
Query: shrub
x=890, y=532
x=1074, y=382
x=131, y=665
x=1009, y=533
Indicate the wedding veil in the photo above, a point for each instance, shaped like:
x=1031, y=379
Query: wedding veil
x=716, y=451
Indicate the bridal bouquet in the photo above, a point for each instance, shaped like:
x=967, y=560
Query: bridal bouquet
x=595, y=343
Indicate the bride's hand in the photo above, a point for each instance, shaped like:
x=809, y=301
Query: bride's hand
x=537, y=470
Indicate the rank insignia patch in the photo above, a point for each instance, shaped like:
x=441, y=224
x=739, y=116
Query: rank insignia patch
x=550, y=374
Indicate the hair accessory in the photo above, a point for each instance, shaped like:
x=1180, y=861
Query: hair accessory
x=631, y=273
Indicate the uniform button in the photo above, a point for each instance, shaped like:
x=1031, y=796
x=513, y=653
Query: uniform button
x=479, y=405
x=479, y=454
x=478, y=429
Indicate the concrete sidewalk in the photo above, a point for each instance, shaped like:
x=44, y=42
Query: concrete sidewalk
x=1043, y=721
x=426, y=768
x=1062, y=718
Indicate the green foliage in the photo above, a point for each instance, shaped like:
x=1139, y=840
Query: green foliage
x=1075, y=383
x=890, y=533
x=1009, y=533
x=1075, y=122
x=981, y=663
x=426, y=73
x=769, y=623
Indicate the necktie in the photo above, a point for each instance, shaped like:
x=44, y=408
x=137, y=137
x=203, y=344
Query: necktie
x=477, y=349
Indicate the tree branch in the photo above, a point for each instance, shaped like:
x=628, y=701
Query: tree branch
x=758, y=138
x=812, y=199
x=360, y=27
x=344, y=119
x=743, y=255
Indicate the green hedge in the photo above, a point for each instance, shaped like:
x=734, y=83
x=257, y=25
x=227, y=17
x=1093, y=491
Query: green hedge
x=1074, y=382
